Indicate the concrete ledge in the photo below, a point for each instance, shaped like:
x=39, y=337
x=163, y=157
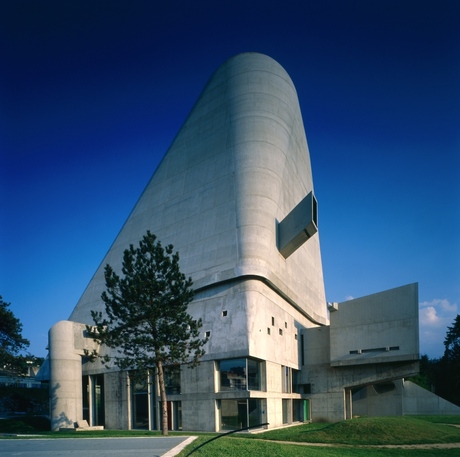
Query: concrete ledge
x=81, y=426
x=81, y=429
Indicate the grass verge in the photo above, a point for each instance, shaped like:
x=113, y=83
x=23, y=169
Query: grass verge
x=347, y=438
x=373, y=431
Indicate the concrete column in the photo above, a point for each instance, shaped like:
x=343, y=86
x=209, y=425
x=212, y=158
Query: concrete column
x=66, y=405
x=348, y=403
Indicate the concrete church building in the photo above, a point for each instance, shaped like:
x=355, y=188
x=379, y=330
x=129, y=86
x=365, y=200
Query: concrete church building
x=234, y=195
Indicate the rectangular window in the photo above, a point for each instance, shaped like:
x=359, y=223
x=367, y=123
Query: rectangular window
x=286, y=382
x=98, y=399
x=287, y=415
x=240, y=374
x=238, y=414
x=302, y=353
x=253, y=374
x=93, y=399
x=298, y=410
x=296, y=387
x=172, y=379
x=140, y=400
x=233, y=374
x=85, y=398
x=177, y=415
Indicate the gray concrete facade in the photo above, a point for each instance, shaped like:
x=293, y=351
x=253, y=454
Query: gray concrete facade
x=234, y=195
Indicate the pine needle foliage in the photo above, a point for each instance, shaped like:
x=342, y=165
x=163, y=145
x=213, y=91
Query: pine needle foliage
x=146, y=320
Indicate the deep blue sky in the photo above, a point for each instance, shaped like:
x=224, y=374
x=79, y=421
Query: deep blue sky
x=92, y=94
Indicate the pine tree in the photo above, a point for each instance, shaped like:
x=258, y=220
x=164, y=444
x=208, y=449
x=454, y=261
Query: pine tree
x=451, y=363
x=146, y=319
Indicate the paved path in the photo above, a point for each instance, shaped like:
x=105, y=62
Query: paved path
x=95, y=447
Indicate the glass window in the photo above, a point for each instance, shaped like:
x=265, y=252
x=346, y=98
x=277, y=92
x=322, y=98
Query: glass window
x=298, y=410
x=140, y=401
x=237, y=414
x=240, y=374
x=172, y=379
x=285, y=379
x=253, y=374
x=302, y=350
x=233, y=374
x=177, y=415
x=98, y=398
x=296, y=386
x=85, y=399
x=287, y=411
x=255, y=412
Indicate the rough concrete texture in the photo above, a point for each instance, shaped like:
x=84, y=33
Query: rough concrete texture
x=239, y=164
x=238, y=167
x=381, y=327
x=400, y=397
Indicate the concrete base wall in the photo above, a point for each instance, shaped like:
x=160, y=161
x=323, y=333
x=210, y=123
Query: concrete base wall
x=406, y=398
x=116, y=401
x=370, y=401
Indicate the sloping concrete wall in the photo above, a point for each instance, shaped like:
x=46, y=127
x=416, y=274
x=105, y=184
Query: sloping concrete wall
x=417, y=400
x=239, y=164
x=406, y=398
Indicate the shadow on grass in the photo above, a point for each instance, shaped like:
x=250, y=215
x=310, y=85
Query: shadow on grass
x=226, y=434
x=24, y=424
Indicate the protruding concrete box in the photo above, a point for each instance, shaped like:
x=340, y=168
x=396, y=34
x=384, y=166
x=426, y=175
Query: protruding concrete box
x=378, y=328
x=298, y=226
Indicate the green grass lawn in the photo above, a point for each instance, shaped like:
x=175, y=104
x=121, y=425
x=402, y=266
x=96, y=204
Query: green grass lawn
x=347, y=438
x=374, y=431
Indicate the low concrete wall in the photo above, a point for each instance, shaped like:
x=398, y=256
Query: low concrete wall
x=418, y=400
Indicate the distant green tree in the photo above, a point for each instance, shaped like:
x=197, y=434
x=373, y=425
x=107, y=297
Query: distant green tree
x=452, y=340
x=146, y=318
x=423, y=379
x=11, y=340
x=450, y=364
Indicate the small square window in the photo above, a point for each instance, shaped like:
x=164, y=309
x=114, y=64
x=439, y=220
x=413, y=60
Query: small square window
x=268, y=330
x=295, y=336
x=224, y=313
x=208, y=334
x=281, y=331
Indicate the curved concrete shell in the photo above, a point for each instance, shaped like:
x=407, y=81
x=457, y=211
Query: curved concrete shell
x=238, y=166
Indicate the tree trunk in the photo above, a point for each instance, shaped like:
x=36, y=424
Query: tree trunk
x=164, y=406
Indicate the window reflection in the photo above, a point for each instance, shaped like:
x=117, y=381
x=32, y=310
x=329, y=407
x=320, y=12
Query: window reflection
x=240, y=374
x=233, y=374
x=172, y=379
x=236, y=414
